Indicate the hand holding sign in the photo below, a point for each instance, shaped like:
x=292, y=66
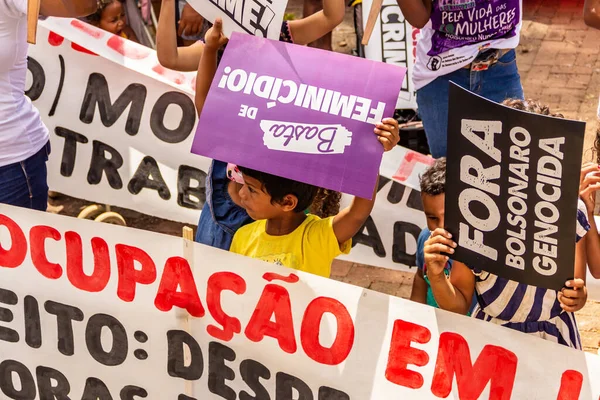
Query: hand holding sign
x=214, y=38
x=388, y=133
x=573, y=298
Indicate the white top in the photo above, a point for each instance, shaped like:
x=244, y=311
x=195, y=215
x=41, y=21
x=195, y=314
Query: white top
x=458, y=29
x=22, y=133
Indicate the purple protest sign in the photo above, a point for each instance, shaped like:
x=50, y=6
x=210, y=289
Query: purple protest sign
x=298, y=112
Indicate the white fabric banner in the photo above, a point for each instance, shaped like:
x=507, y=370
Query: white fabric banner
x=96, y=311
x=394, y=41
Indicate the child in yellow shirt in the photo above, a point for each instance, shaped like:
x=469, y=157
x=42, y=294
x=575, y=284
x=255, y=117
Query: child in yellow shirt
x=282, y=233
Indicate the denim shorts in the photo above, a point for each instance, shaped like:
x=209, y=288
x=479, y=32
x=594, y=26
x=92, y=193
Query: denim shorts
x=498, y=83
x=220, y=217
x=24, y=183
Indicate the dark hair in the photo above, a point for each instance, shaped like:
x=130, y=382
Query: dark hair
x=278, y=187
x=326, y=203
x=596, y=152
x=97, y=16
x=433, y=180
x=531, y=106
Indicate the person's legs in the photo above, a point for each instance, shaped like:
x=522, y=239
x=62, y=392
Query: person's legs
x=24, y=184
x=311, y=7
x=432, y=102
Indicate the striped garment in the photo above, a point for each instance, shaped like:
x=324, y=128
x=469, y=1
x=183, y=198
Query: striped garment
x=526, y=308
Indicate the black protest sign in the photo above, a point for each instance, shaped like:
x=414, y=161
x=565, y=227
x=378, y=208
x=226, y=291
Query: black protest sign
x=511, y=190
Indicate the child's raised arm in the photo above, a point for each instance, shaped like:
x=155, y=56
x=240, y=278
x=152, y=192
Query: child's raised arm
x=588, y=187
x=169, y=55
x=456, y=292
x=207, y=66
x=349, y=221
x=317, y=25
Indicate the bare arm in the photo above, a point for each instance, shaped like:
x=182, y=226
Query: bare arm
x=207, y=68
x=591, y=13
x=456, y=292
x=592, y=247
x=169, y=55
x=68, y=8
x=419, y=288
x=416, y=12
x=349, y=221
x=317, y=25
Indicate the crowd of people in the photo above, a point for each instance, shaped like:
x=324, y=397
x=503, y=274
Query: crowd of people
x=301, y=226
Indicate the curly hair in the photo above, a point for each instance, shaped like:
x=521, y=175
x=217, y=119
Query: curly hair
x=95, y=18
x=433, y=180
x=326, y=203
x=596, y=151
x=531, y=106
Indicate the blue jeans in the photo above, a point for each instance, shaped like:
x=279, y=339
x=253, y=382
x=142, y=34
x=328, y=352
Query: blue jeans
x=24, y=184
x=220, y=217
x=500, y=82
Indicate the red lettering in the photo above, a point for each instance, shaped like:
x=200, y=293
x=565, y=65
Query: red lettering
x=177, y=274
x=311, y=327
x=100, y=276
x=570, y=385
x=14, y=256
x=274, y=301
x=37, y=242
x=402, y=355
x=88, y=29
x=54, y=39
x=170, y=75
x=217, y=283
x=271, y=276
x=82, y=49
x=129, y=276
x=495, y=364
x=408, y=163
x=127, y=49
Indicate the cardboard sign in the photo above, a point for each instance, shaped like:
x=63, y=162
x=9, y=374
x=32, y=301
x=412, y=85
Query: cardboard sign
x=394, y=41
x=105, y=312
x=255, y=17
x=512, y=204
x=120, y=124
x=279, y=114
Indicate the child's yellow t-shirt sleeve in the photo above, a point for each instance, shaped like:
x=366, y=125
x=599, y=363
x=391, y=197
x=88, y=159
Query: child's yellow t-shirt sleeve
x=321, y=234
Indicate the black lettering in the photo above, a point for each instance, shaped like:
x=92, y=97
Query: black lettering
x=175, y=361
x=186, y=193
x=67, y=164
x=414, y=200
x=184, y=397
x=286, y=383
x=33, y=327
x=10, y=368
x=399, y=254
x=371, y=238
x=130, y=392
x=48, y=391
x=95, y=389
x=93, y=335
x=327, y=393
x=396, y=192
x=65, y=315
x=100, y=164
x=148, y=176
x=251, y=372
x=38, y=79
x=97, y=93
x=218, y=372
x=187, y=121
x=10, y=298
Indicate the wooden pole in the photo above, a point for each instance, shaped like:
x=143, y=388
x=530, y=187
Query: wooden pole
x=373, y=14
x=184, y=317
x=33, y=11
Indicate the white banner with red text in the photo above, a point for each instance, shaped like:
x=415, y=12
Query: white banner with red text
x=95, y=311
